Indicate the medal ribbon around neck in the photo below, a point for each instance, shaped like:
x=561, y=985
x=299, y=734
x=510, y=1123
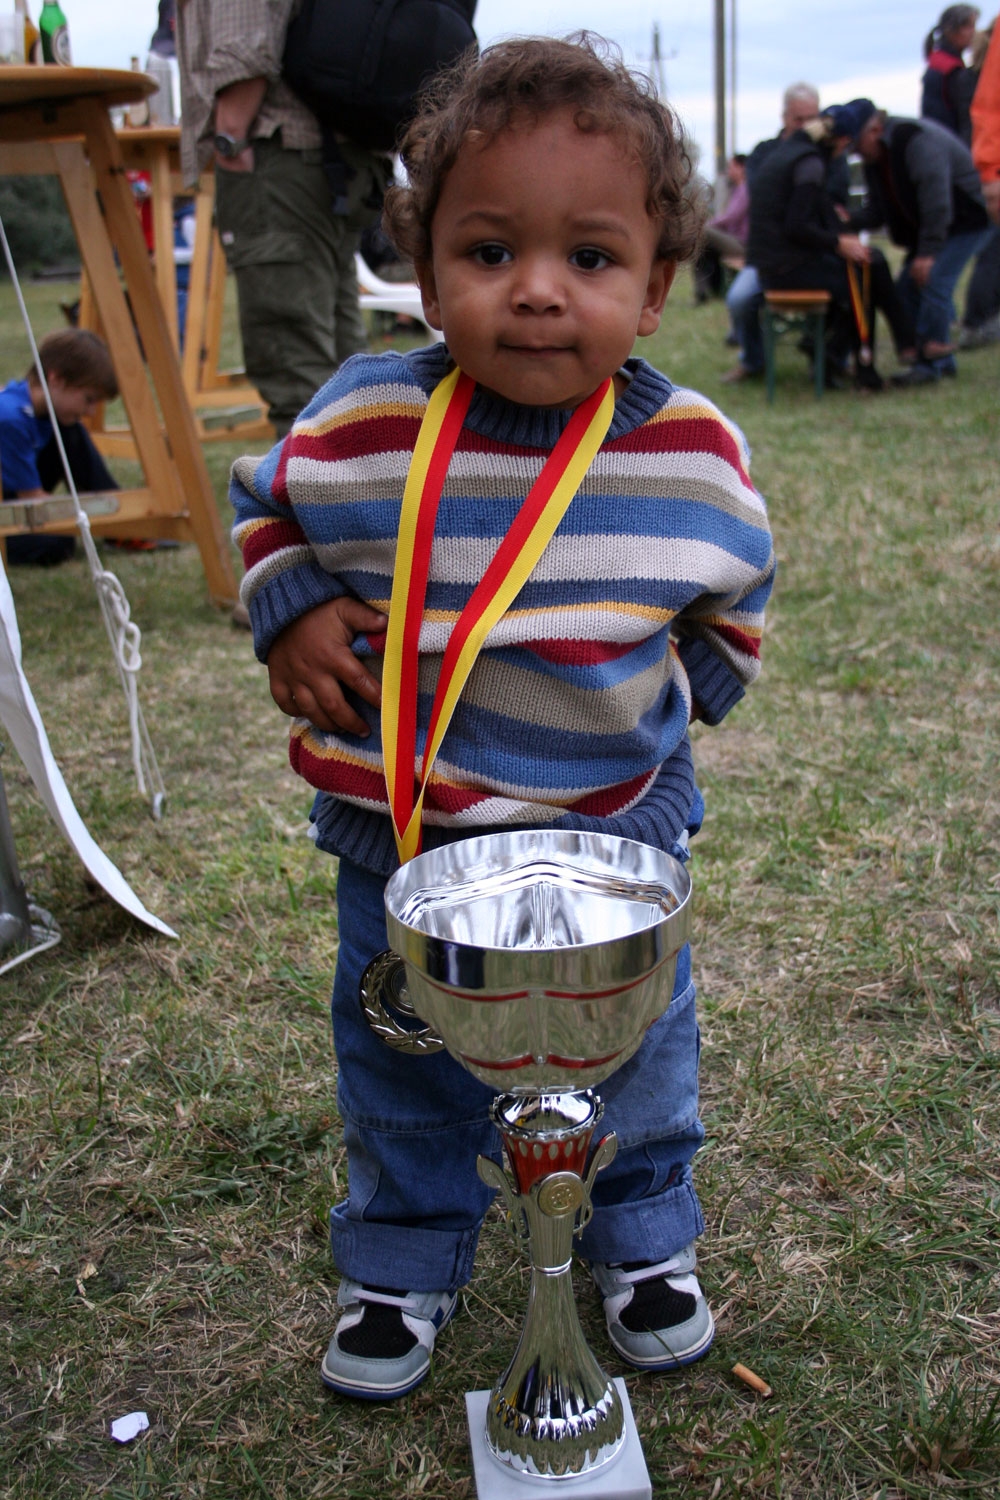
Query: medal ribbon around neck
x=519, y=551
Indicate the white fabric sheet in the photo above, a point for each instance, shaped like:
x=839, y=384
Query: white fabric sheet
x=23, y=724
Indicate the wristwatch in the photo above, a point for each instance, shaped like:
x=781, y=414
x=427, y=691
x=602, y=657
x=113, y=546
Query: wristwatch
x=227, y=146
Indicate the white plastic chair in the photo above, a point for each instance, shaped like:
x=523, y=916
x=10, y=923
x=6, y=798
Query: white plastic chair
x=400, y=297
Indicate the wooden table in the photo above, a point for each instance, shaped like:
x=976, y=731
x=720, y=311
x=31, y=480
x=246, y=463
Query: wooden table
x=55, y=119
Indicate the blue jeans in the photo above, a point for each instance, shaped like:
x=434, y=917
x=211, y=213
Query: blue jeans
x=744, y=300
x=931, y=306
x=413, y=1127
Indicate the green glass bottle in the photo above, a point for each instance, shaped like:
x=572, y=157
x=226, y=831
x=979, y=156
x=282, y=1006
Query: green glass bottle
x=55, y=34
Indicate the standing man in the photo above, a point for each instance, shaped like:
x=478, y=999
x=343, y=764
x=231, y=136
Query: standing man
x=289, y=214
x=923, y=185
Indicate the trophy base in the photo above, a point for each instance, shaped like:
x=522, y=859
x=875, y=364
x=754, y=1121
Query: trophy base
x=624, y=1478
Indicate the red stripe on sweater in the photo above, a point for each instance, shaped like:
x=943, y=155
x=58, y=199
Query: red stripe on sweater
x=363, y=437
x=609, y=800
x=329, y=774
x=266, y=539
x=442, y=796
x=572, y=653
x=749, y=645
x=685, y=435
x=279, y=488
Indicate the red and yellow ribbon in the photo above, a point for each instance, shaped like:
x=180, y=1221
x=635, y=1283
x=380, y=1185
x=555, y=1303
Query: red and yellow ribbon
x=518, y=553
x=861, y=302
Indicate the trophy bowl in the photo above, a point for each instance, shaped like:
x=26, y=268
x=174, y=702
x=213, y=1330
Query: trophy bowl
x=540, y=960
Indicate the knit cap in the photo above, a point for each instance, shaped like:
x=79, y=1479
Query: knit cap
x=849, y=119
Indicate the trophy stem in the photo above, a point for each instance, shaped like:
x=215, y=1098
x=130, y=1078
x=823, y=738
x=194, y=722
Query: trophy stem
x=554, y=1412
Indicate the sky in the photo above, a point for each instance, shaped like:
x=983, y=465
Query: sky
x=847, y=49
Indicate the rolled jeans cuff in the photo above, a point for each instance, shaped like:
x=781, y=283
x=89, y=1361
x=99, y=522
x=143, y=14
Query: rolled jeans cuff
x=650, y=1229
x=422, y=1260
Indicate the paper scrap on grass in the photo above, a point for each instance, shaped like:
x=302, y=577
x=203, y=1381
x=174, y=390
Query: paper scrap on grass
x=124, y=1429
x=23, y=723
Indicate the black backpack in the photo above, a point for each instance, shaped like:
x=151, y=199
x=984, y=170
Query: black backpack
x=359, y=64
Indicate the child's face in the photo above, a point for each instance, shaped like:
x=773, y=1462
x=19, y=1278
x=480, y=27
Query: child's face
x=543, y=262
x=71, y=402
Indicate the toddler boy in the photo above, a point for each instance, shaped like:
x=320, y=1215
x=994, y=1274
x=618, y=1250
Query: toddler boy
x=80, y=375
x=548, y=204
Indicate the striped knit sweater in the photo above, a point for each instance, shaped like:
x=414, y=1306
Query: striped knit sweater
x=650, y=593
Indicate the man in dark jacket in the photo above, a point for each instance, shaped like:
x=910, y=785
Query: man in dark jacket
x=924, y=187
x=798, y=239
x=744, y=298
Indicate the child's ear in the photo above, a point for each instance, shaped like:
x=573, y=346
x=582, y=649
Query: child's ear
x=661, y=279
x=428, y=293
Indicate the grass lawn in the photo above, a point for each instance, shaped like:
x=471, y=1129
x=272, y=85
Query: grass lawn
x=169, y=1144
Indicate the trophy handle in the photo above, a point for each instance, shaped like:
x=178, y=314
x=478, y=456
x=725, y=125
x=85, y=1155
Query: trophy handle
x=384, y=983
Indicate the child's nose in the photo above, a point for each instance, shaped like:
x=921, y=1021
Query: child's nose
x=539, y=285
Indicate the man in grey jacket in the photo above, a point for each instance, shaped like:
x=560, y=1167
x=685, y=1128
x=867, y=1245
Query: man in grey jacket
x=924, y=188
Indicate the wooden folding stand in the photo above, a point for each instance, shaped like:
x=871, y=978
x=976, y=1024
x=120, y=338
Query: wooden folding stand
x=224, y=403
x=55, y=119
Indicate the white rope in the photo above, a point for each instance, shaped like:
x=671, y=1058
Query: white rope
x=122, y=630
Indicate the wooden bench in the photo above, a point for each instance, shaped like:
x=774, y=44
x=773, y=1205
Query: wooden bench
x=787, y=310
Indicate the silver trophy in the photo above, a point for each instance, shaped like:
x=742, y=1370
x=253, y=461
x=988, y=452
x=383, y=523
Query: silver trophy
x=539, y=959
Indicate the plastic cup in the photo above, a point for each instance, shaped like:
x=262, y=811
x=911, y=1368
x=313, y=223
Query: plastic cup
x=11, y=39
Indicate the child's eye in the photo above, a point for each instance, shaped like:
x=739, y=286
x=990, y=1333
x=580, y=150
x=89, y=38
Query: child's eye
x=491, y=254
x=589, y=259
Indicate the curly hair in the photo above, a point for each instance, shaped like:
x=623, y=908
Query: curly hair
x=521, y=81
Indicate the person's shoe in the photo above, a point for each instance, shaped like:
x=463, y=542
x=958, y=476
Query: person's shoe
x=381, y=1347
x=657, y=1317
x=978, y=338
x=868, y=379
x=933, y=349
x=738, y=373
x=732, y=340
x=918, y=374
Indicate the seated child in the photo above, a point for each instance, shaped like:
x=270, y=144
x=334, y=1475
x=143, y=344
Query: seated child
x=80, y=375
x=546, y=211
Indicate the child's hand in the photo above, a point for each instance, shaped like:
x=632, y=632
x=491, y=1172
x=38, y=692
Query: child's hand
x=311, y=661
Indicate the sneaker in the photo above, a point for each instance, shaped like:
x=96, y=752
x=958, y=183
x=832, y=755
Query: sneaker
x=382, y=1345
x=980, y=336
x=658, y=1318
x=934, y=349
x=918, y=374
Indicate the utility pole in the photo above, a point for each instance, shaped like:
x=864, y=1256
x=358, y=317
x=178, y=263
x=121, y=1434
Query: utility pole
x=657, y=61
x=720, y=103
x=732, y=77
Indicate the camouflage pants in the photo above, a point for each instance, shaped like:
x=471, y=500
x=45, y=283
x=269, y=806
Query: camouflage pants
x=293, y=259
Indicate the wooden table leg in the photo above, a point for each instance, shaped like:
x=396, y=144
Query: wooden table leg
x=163, y=235
x=188, y=472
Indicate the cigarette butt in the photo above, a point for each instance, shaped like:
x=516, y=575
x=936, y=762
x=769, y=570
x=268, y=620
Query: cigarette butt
x=753, y=1381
